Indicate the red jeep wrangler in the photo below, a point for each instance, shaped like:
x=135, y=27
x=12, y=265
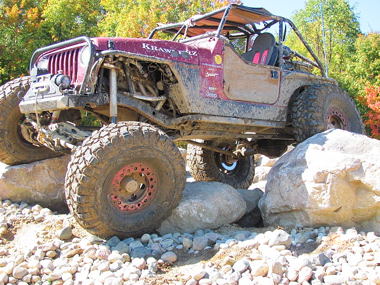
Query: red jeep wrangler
x=227, y=102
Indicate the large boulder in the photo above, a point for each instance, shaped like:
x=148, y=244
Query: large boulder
x=330, y=179
x=205, y=205
x=40, y=182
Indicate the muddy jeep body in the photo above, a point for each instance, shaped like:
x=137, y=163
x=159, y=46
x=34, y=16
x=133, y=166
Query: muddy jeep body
x=213, y=91
x=227, y=102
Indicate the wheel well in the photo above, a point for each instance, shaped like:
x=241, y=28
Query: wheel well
x=291, y=100
x=145, y=80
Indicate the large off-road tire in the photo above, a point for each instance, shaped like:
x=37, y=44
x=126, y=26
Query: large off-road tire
x=321, y=107
x=124, y=180
x=206, y=165
x=14, y=149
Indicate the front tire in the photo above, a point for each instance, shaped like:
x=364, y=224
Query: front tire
x=124, y=180
x=206, y=165
x=321, y=107
x=14, y=149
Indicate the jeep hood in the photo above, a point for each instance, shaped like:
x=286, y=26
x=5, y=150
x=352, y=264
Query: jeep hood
x=160, y=49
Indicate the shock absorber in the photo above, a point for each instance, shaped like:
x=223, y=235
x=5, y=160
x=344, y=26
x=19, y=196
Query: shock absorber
x=113, y=95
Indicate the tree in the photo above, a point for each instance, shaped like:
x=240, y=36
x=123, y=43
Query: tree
x=340, y=26
x=364, y=68
x=362, y=78
x=372, y=101
x=20, y=23
x=138, y=18
x=65, y=19
x=26, y=25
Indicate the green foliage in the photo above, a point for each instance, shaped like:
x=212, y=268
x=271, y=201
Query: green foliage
x=65, y=19
x=26, y=25
x=341, y=30
x=364, y=68
x=90, y=120
x=138, y=18
x=21, y=34
x=362, y=79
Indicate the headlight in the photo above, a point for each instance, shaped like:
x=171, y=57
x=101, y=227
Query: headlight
x=85, y=55
x=42, y=66
x=62, y=81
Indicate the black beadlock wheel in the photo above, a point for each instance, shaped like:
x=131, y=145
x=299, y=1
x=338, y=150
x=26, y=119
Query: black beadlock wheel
x=206, y=165
x=14, y=149
x=124, y=180
x=321, y=107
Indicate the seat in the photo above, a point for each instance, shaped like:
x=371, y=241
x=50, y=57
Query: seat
x=263, y=51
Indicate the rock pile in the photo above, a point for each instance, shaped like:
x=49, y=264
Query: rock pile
x=38, y=246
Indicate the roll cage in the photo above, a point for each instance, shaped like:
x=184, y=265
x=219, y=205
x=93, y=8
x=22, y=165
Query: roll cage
x=234, y=22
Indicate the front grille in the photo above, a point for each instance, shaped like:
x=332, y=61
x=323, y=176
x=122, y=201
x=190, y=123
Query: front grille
x=66, y=62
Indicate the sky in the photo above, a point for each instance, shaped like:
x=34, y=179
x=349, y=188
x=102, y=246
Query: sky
x=368, y=10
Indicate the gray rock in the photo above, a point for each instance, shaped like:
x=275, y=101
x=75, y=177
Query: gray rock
x=251, y=198
x=113, y=241
x=261, y=173
x=205, y=281
x=135, y=244
x=19, y=272
x=276, y=267
x=115, y=266
x=205, y=205
x=191, y=282
x=128, y=240
x=145, y=238
x=333, y=279
x=242, y=235
x=152, y=264
x=322, y=259
x=156, y=247
x=139, y=263
x=65, y=234
x=198, y=274
x=343, y=165
x=213, y=237
x=245, y=281
x=166, y=243
x=169, y=257
x=187, y=243
x=292, y=274
x=141, y=252
x=305, y=274
x=279, y=237
x=46, y=188
x=3, y=278
x=199, y=243
x=241, y=265
x=167, y=236
x=122, y=247
x=259, y=268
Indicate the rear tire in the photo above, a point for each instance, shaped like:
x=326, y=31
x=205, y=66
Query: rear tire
x=206, y=165
x=14, y=149
x=117, y=160
x=322, y=107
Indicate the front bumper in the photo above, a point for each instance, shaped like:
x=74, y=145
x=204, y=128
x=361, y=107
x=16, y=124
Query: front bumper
x=45, y=95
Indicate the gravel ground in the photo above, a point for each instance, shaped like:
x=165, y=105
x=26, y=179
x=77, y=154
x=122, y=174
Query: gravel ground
x=38, y=246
